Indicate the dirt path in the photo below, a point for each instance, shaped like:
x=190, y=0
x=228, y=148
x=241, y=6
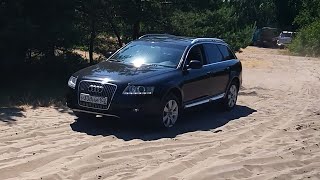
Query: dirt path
x=274, y=133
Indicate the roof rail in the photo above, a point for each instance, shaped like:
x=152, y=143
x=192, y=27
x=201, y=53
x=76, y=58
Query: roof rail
x=156, y=35
x=207, y=40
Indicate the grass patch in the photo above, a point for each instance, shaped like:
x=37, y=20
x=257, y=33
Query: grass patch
x=38, y=84
x=33, y=92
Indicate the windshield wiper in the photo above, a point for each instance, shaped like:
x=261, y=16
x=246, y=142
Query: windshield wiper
x=114, y=60
x=162, y=65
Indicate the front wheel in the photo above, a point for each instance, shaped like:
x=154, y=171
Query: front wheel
x=170, y=111
x=230, y=100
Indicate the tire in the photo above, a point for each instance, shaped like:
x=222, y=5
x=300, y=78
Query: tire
x=230, y=99
x=81, y=115
x=170, y=111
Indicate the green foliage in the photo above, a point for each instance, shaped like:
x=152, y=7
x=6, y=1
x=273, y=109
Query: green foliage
x=221, y=23
x=40, y=82
x=35, y=26
x=239, y=39
x=308, y=40
x=41, y=28
x=286, y=11
x=207, y=23
x=309, y=13
x=259, y=12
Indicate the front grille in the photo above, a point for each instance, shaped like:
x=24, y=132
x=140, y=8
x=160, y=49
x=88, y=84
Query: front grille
x=108, y=91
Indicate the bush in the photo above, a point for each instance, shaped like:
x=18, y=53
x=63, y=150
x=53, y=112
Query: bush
x=239, y=39
x=221, y=23
x=307, y=42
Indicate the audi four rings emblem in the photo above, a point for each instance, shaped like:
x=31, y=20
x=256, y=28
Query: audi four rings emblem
x=95, y=89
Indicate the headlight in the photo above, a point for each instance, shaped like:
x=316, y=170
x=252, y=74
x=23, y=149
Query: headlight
x=138, y=90
x=72, y=82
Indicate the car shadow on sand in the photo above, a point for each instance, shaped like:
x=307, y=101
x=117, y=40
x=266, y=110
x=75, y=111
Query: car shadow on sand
x=202, y=118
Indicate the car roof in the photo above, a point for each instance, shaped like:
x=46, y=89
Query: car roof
x=179, y=40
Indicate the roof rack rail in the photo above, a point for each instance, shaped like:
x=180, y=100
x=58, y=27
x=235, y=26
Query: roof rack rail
x=207, y=40
x=156, y=35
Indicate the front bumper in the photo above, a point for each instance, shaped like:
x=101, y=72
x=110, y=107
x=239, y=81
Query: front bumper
x=122, y=106
x=283, y=43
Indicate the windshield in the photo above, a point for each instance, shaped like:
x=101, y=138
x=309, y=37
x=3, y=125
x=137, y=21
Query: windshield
x=285, y=35
x=150, y=53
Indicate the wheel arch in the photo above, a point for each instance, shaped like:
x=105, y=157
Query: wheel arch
x=175, y=91
x=236, y=79
x=233, y=79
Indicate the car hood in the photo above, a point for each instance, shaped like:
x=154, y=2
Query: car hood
x=114, y=72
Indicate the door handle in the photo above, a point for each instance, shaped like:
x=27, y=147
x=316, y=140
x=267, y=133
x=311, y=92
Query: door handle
x=227, y=69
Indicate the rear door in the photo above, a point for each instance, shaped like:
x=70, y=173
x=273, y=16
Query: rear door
x=227, y=63
x=219, y=70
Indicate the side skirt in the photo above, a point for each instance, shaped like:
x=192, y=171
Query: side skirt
x=199, y=102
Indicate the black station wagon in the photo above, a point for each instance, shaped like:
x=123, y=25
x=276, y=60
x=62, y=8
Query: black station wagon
x=157, y=76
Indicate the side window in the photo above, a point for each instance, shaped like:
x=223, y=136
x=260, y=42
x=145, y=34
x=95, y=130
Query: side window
x=226, y=52
x=213, y=53
x=196, y=53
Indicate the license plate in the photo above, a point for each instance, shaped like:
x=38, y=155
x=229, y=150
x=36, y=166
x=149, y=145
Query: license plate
x=93, y=99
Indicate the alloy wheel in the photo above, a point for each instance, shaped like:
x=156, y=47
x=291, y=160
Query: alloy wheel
x=170, y=113
x=232, y=96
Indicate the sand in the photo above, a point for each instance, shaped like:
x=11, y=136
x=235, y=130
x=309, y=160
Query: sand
x=274, y=133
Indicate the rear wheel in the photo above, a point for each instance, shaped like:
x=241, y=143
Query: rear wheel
x=230, y=100
x=170, y=111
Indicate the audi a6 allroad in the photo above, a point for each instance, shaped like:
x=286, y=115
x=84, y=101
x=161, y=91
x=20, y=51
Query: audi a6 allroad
x=157, y=76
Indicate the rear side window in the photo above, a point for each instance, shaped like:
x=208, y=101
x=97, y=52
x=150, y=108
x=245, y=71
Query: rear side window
x=226, y=52
x=213, y=53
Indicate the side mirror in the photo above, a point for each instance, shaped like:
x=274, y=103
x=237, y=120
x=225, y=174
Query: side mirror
x=194, y=64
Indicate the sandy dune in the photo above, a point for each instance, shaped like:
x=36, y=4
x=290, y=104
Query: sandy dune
x=274, y=133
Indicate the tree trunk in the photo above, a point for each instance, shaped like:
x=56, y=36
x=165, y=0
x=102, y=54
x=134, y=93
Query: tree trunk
x=136, y=24
x=91, y=41
x=136, y=30
x=29, y=56
x=50, y=52
x=115, y=30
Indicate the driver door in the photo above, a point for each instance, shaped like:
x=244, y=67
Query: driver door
x=196, y=81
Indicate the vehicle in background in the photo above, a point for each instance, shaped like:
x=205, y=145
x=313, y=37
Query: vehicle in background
x=285, y=38
x=265, y=37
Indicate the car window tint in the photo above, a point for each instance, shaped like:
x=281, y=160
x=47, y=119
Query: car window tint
x=213, y=53
x=196, y=53
x=226, y=52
